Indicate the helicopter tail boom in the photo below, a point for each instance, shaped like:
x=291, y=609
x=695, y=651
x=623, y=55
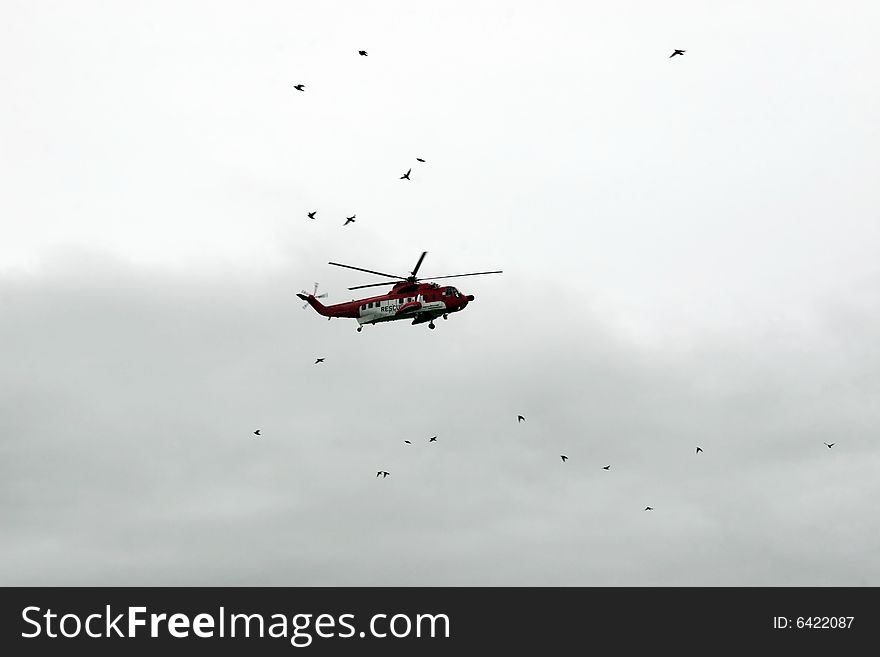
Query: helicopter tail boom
x=317, y=305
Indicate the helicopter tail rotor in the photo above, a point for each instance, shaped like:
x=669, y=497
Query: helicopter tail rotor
x=314, y=293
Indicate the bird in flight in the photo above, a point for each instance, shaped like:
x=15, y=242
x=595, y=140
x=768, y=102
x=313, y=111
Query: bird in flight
x=606, y=467
x=406, y=175
x=319, y=360
x=257, y=432
x=420, y=159
x=677, y=52
x=563, y=457
x=362, y=53
x=649, y=508
x=299, y=87
x=829, y=445
x=432, y=440
x=699, y=449
x=407, y=442
x=520, y=418
x=383, y=473
x=312, y=214
x=349, y=220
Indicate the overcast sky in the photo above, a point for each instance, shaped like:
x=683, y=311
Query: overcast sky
x=689, y=249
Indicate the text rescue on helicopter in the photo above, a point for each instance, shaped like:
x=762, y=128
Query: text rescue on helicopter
x=407, y=299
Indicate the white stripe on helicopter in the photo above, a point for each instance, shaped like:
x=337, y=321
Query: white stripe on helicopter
x=387, y=309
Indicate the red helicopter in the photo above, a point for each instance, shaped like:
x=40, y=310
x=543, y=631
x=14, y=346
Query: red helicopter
x=408, y=299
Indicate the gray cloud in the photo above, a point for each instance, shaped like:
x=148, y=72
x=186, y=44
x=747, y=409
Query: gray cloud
x=127, y=455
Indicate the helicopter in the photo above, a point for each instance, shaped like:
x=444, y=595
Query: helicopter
x=409, y=298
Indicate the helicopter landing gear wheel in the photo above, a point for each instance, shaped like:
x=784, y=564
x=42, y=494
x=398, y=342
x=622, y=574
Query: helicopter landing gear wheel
x=431, y=325
x=445, y=316
x=360, y=328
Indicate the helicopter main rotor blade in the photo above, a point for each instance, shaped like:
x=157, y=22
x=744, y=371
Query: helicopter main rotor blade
x=358, y=287
x=369, y=271
x=476, y=273
x=418, y=264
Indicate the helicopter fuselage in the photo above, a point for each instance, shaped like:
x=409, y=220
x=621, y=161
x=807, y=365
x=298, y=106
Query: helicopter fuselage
x=419, y=302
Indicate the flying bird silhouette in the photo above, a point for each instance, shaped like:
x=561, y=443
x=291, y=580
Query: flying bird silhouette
x=420, y=159
x=257, y=432
x=319, y=360
x=349, y=220
x=406, y=175
x=407, y=442
x=829, y=445
x=520, y=418
x=563, y=457
x=299, y=87
x=699, y=449
x=312, y=214
x=432, y=440
x=606, y=467
x=649, y=508
x=383, y=473
x=362, y=53
x=677, y=52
